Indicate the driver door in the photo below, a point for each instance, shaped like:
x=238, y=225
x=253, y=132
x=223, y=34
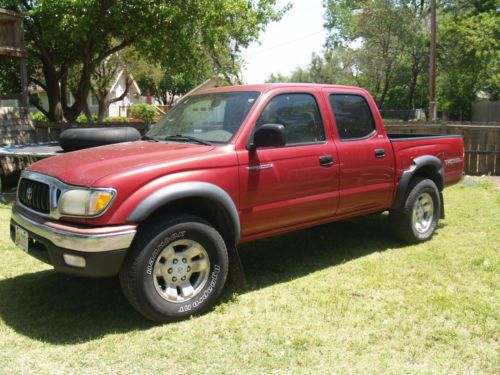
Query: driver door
x=294, y=184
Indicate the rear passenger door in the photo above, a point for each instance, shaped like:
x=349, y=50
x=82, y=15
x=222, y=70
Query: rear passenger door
x=289, y=185
x=365, y=154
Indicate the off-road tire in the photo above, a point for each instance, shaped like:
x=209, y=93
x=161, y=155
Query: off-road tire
x=401, y=220
x=136, y=275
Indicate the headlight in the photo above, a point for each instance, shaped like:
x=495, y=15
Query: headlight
x=85, y=202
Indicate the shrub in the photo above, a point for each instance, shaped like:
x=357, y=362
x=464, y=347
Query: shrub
x=39, y=116
x=145, y=112
x=82, y=119
x=116, y=119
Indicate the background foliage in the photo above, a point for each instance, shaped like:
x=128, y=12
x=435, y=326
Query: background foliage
x=67, y=40
x=145, y=112
x=383, y=46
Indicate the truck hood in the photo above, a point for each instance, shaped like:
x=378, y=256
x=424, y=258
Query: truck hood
x=84, y=167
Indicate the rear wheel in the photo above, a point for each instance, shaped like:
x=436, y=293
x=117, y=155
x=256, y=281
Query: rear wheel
x=417, y=220
x=176, y=267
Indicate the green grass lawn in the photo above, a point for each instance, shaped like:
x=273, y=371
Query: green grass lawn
x=340, y=298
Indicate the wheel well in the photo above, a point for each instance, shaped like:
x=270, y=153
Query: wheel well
x=209, y=210
x=432, y=170
x=431, y=173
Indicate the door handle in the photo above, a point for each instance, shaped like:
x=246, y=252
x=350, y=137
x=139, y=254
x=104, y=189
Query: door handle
x=326, y=160
x=379, y=153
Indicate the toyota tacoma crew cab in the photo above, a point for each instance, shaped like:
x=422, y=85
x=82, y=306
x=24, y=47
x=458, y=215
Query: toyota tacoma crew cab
x=223, y=167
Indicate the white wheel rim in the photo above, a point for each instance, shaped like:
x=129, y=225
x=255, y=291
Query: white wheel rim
x=423, y=213
x=181, y=270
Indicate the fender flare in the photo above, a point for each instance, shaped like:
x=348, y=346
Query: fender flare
x=181, y=190
x=419, y=163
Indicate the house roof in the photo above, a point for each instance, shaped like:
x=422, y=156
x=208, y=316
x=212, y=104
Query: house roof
x=134, y=85
x=208, y=84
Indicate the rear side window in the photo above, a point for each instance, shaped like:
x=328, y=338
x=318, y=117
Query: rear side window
x=298, y=113
x=352, y=115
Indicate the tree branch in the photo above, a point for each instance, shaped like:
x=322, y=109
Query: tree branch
x=128, y=83
x=35, y=100
x=38, y=83
x=27, y=5
x=118, y=47
x=105, y=6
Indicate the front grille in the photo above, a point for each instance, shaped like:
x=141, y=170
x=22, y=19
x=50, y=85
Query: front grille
x=35, y=195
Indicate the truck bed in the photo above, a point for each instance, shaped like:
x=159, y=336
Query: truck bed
x=446, y=147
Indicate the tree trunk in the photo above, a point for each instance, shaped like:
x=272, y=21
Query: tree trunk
x=103, y=107
x=411, y=93
x=172, y=98
x=387, y=82
x=88, y=114
x=55, y=113
x=81, y=94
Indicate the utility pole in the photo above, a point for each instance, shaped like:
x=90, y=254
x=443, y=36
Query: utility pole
x=432, y=73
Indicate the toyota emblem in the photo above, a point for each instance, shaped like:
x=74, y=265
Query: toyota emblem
x=29, y=193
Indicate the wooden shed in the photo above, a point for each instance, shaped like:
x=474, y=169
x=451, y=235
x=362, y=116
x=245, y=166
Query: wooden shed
x=12, y=47
x=15, y=123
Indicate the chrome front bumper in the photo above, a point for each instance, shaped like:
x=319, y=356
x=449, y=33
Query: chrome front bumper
x=87, y=240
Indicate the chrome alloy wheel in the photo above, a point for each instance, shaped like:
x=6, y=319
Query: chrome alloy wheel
x=181, y=270
x=423, y=212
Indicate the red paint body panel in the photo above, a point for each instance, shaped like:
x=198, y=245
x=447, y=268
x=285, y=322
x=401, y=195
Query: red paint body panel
x=296, y=192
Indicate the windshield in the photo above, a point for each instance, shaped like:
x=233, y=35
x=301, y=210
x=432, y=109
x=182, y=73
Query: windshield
x=212, y=118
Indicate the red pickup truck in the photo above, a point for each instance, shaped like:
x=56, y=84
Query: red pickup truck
x=226, y=166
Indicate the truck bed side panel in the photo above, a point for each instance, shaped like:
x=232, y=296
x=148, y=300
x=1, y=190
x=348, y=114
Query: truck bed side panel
x=448, y=148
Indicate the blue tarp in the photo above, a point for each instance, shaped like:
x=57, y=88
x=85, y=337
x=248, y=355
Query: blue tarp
x=36, y=150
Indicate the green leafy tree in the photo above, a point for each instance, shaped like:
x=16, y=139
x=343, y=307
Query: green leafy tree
x=383, y=45
x=380, y=26
x=334, y=67
x=468, y=54
x=62, y=34
x=167, y=83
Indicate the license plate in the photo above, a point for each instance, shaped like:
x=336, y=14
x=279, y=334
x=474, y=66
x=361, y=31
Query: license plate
x=21, y=239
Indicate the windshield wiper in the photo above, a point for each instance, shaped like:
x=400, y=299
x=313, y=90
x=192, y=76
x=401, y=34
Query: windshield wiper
x=186, y=138
x=148, y=138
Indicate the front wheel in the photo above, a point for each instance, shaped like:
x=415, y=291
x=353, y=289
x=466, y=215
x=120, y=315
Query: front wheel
x=176, y=267
x=417, y=220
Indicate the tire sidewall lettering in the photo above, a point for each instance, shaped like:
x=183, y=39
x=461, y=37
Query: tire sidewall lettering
x=137, y=276
x=160, y=247
x=205, y=294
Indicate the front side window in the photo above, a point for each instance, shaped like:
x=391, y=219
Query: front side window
x=213, y=118
x=352, y=115
x=298, y=113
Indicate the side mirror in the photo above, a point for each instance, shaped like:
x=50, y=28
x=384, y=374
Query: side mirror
x=268, y=135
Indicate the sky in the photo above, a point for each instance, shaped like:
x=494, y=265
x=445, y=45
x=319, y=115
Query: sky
x=288, y=43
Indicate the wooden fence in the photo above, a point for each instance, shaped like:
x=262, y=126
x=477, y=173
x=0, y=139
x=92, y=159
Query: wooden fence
x=481, y=142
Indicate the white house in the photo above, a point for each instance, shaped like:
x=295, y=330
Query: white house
x=120, y=108
x=115, y=109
